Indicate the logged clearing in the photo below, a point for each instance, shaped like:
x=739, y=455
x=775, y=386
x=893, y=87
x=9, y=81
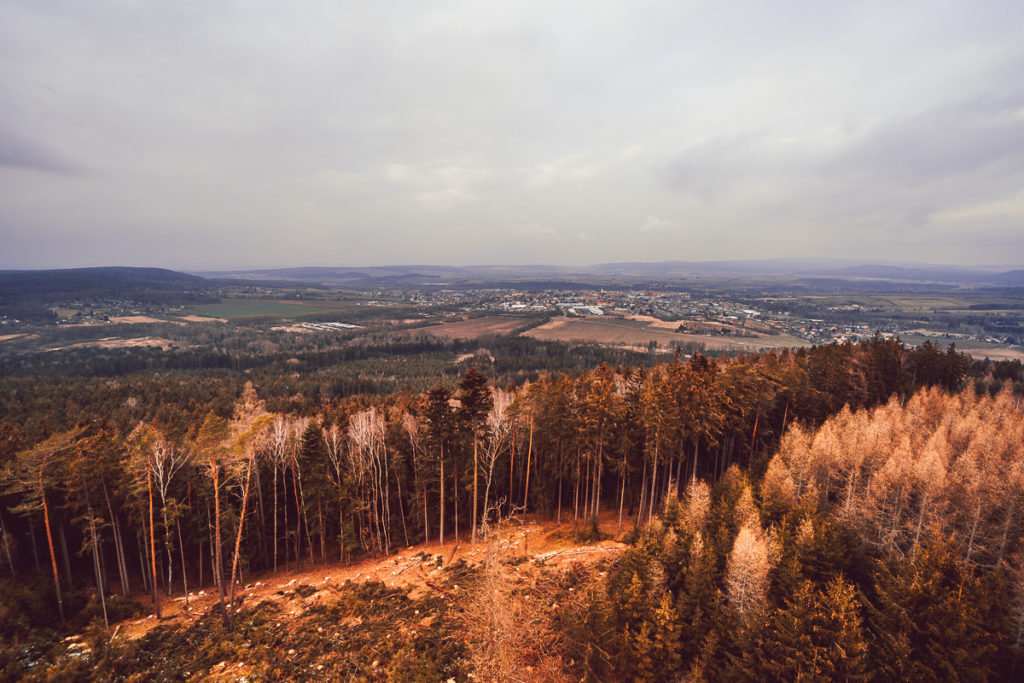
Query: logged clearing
x=471, y=328
x=115, y=343
x=635, y=333
x=415, y=569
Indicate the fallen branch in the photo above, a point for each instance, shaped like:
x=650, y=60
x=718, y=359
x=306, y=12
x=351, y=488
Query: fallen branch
x=402, y=569
x=448, y=594
x=457, y=542
x=585, y=551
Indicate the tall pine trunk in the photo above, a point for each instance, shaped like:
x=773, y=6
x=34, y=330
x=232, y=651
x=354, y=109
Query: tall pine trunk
x=184, y=570
x=529, y=457
x=219, y=560
x=442, y=496
x=49, y=541
x=275, y=517
x=475, y=463
x=152, y=541
x=241, y=529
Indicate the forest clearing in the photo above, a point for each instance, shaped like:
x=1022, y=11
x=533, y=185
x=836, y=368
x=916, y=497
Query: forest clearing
x=544, y=543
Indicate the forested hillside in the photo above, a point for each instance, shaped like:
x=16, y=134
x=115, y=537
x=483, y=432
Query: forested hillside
x=837, y=512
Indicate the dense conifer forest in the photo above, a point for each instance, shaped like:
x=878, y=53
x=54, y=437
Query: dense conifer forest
x=839, y=512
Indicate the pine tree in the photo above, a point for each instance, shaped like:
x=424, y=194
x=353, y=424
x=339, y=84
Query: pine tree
x=817, y=636
x=933, y=617
x=474, y=404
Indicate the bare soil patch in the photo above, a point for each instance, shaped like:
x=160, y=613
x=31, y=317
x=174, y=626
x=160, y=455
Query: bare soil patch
x=414, y=569
x=135, y=319
x=202, y=319
x=115, y=343
x=655, y=322
x=8, y=337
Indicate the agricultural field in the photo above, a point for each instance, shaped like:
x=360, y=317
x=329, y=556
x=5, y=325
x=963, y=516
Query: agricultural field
x=472, y=328
x=245, y=308
x=975, y=349
x=634, y=333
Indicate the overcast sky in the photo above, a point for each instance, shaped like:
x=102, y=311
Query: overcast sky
x=213, y=134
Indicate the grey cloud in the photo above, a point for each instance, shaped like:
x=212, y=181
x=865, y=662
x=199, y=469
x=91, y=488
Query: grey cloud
x=19, y=153
x=954, y=140
x=376, y=132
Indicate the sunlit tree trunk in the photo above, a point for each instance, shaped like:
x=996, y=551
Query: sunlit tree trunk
x=49, y=541
x=218, y=570
x=529, y=457
x=275, y=517
x=241, y=529
x=7, y=547
x=184, y=569
x=475, y=478
x=442, y=495
x=152, y=541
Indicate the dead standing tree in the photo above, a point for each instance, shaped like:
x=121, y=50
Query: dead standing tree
x=334, y=443
x=368, y=460
x=499, y=432
x=277, y=454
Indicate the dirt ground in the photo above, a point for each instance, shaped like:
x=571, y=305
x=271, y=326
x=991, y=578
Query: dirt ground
x=136, y=319
x=542, y=541
x=202, y=319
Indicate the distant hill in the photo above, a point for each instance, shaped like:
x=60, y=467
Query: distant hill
x=140, y=284
x=944, y=274
x=25, y=294
x=1011, y=278
x=837, y=270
